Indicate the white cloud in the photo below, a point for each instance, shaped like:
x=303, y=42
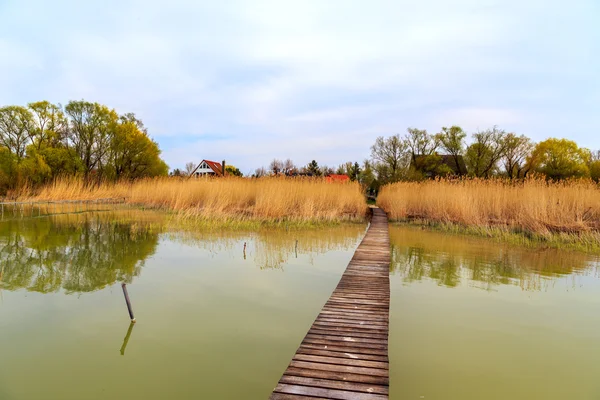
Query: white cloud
x=309, y=79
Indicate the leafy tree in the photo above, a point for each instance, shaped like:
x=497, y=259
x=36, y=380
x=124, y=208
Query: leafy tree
x=390, y=156
x=487, y=149
x=560, y=159
x=50, y=124
x=132, y=154
x=452, y=141
x=16, y=129
x=61, y=160
x=177, y=172
x=355, y=172
x=429, y=166
x=367, y=177
x=595, y=170
x=91, y=127
x=233, y=171
x=420, y=143
x=313, y=168
x=517, y=149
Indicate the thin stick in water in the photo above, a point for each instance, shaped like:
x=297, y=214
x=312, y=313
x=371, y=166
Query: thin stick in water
x=124, y=286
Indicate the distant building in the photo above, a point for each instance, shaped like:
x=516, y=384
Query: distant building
x=337, y=178
x=209, y=168
x=439, y=164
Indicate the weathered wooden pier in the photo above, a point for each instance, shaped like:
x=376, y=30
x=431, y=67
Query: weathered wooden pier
x=345, y=353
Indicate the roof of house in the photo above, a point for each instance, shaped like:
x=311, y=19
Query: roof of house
x=215, y=166
x=337, y=178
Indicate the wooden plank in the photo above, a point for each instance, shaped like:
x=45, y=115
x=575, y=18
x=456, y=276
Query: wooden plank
x=341, y=361
x=342, y=385
x=344, y=354
x=327, y=393
x=337, y=376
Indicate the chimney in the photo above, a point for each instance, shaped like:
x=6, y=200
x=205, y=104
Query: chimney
x=223, y=167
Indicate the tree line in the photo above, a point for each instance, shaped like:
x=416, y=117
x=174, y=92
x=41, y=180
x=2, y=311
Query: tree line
x=42, y=141
x=419, y=155
x=491, y=152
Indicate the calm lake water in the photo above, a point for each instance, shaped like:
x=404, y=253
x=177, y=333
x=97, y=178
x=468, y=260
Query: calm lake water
x=211, y=323
x=470, y=318
x=474, y=319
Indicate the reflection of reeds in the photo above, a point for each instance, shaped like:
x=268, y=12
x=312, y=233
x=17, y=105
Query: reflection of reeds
x=268, y=199
x=533, y=206
x=88, y=251
x=272, y=248
x=450, y=260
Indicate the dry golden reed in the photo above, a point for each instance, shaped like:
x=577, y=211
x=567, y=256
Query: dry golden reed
x=533, y=205
x=264, y=199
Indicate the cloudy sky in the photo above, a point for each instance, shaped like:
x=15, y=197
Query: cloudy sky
x=248, y=81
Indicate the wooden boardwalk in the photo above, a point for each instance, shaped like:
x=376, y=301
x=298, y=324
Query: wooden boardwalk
x=345, y=353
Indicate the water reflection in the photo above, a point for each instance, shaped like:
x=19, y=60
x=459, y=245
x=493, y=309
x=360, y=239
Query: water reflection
x=126, y=339
x=271, y=249
x=451, y=260
x=89, y=251
x=78, y=253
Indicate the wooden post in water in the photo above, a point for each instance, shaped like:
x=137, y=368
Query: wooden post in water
x=124, y=286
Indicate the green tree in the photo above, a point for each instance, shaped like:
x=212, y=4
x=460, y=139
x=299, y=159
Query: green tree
x=367, y=177
x=595, y=170
x=132, y=154
x=16, y=129
x=50, y=124
x=487, y=149
x=517, y=150
x=452, y=141
x=313, y=168
x=560, y=159
x=390, y=156
x=355, y=172
x=233, y=171
x=429, y=166
x=420, y=143
x=91, y=128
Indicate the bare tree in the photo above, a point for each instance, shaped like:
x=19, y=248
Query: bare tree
x=276, y=166
x=189, y=168
x=288, y=167
x=260, y=172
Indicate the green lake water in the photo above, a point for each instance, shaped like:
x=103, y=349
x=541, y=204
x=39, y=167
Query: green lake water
x=211, y=323
x=474, y=319
x=470, y=318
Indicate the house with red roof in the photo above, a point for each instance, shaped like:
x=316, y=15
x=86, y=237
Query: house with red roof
x=337, y=178
x=209, y=168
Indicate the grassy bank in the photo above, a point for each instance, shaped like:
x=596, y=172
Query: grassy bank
x=533, y=211
x=234, y=201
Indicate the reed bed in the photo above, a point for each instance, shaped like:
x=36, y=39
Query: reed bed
x=533, y=206
x=264, y=199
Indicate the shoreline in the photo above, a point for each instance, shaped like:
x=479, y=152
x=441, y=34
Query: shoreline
x=587, y=242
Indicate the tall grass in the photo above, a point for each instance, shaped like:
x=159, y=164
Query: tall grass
x=265, y=199
x=533, y=206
